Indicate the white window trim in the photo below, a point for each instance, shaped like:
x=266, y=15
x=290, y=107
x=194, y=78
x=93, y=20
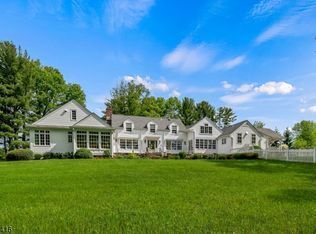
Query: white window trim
x=125, y=126
x=71, y=115
x=177, y=129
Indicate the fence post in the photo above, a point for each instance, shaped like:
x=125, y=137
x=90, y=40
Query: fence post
x=314, y=159
x=287, y=155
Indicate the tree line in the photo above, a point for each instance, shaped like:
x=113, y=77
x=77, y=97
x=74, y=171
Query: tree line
x=28, y=91
x=129, y=98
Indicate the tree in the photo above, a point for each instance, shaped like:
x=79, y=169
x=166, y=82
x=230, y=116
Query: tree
x=225, y=116
x=127, y=98
x=75, y=92
x=204, y=109
x=288, y=138
x=172, y=108
x=305, y=134
x=278, y=142
x=259, y=124
x=188, y=113
x=15, y=90
x=153, y=107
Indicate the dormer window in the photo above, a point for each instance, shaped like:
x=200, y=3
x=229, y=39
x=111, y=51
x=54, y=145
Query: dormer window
x=206, y=129
x=73, y=115
x=174, y=129
x=152, y=128
x=128, y=127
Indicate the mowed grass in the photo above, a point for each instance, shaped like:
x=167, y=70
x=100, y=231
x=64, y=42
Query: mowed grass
x=158, y=196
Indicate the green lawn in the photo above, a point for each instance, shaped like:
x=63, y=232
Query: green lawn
x=158, y=196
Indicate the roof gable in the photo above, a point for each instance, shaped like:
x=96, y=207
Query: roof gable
x=61, y=116
x=231, y=129
x=92, y=121
x=209, y=121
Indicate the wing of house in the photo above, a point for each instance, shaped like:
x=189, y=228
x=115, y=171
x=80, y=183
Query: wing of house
x=69, y=127
x=72, y=126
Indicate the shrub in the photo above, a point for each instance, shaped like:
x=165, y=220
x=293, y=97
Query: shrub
x=256, y=147
x=132, y=156
x=68, y=155
x=2, y=154
x=197, y=156
x=17, y=144
x=51, y=155
x=38, y=156
x=19, y=154
x=245, y=156
x=107, y=154
x=182, y=155
x=83, y=153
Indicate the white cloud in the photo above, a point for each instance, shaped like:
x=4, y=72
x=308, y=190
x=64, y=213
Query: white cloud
x=273, y=87
x=188, y=58
x=226, y=85
x=126, y=13
x=265, y=7
x=230, y=64
x=311, y=109
x=148, y=83
x=244, y=88
x=288, y=25
x=175, y=93
x=248, y=92
x=236, y=99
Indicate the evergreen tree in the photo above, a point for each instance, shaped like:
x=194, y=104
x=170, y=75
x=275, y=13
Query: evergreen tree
x=204, y=109
x=225, y=116
x=188, y=113
x=288, y=138
x=172, y=108
x=259, y=124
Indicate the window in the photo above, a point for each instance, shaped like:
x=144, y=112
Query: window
x=128, y=127
x=205, y=144
x=239, y=138
x=173, y=145
x=81, y=139
x=174, y=129
x=224, y=141
x=128, y=144
x=253, y=139
x=69, y=137
x=206, y=129
x=73, y=115
x=105, y=140
x=93, y=140
x=42, y=138
x=152, y=128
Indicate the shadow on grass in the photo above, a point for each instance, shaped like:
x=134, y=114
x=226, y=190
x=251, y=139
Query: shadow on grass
x=307, y=170
x=294, y=195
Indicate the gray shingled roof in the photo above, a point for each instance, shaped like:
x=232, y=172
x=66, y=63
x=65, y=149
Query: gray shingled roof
x=230, y=129
x=140, y=122
x=270, y=133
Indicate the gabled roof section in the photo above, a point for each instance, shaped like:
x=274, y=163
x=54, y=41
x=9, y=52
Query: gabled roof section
x=270, y=133
x=209, y=120
x=59, y=118
x=140, y=122
x=230, y=129
x=93, y=121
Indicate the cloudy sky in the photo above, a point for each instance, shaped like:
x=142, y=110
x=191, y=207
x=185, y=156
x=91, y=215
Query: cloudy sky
x=258, y=57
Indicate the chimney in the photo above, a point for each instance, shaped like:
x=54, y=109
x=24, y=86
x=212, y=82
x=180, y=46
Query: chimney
x=108, y=115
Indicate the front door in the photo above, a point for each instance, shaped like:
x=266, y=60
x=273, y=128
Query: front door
x=152, y=145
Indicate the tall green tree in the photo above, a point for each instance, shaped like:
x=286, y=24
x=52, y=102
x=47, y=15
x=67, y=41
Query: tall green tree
x=15, y=90
x=259, y=124
x=127, y=98
x=172, y=108
x=153, y=107
x=75, y=92
x=188, y=113
x=288, y=138
x=305, y=134
x=204, y=109
x=225, y=116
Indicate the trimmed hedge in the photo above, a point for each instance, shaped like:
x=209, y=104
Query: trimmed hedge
x=107, y=154
x=38, y=157
x=83, y=153
x=19, y=154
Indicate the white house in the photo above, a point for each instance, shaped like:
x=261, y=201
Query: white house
x=72, y=126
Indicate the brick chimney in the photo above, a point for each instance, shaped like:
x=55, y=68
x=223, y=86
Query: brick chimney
x=108, y=115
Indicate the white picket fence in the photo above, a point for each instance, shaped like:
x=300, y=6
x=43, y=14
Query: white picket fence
x=299, y=155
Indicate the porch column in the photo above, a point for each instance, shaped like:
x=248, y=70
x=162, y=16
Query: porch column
x=99, y=138
x=88, y=142
x=74, y=140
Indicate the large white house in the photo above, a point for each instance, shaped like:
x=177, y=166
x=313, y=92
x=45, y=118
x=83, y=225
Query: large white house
x=72, y=126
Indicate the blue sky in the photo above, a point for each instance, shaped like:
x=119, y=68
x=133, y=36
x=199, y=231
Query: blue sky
x=258, y=57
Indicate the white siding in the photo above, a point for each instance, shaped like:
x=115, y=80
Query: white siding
x=58, y=142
